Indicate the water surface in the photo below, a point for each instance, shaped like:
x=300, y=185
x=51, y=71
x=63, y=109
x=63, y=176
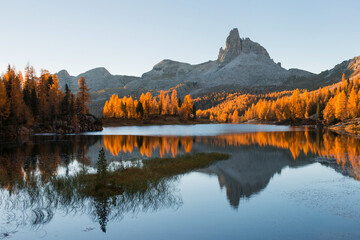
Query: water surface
x=279, y=183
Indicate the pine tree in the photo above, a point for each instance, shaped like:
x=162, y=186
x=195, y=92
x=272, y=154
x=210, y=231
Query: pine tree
x=65, y=103
x=43, y=94
x=194, y=111
x=101, y=166
x=179, y=103
x=83, y=97
x=140, y=109
x=318, y=112
x=15, y=95
x=34, y=102
x=4, y=103
x=54, y=96
x=29, y=90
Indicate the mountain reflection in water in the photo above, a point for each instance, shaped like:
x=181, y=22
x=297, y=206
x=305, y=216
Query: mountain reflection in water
x=32, y=173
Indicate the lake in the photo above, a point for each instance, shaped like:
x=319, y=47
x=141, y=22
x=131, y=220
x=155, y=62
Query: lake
x=278, y=183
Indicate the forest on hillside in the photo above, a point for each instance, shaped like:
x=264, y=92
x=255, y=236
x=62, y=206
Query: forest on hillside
x=36, y=103
x=331, y=104
x=327, y=105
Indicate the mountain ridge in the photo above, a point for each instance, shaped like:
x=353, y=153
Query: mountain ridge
x=243, y=64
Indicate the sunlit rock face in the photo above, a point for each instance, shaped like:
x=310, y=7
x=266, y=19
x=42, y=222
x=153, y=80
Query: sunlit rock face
x=235, y=46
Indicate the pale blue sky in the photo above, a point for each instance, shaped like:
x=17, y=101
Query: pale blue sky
x=129, y=37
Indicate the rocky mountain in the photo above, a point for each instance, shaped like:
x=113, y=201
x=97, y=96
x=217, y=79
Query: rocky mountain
x=350, y=67
x=242, y=65
x=98, y=79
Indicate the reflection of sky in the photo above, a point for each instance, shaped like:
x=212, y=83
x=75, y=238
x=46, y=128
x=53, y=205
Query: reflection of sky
x=291, y=207
x=322, y=205
x=73, y=169
x=76, y=167
x=190, y=130
x=279, y=191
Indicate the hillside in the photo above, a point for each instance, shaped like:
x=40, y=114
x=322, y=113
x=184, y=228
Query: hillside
x=243, y=66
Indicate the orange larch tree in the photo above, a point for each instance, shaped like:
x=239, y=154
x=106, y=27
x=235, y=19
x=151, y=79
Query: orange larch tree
x=340, y=106
x=174, y=102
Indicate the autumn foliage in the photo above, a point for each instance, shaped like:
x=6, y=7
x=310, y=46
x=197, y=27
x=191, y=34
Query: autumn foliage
x=149, y=106
x=26, y=100
x=330, y=104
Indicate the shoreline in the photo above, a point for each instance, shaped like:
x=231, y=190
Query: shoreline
x=349, y=127
x=166, y=120
x=85, y=123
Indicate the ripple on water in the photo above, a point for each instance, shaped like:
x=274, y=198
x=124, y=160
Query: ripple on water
x=328, y=196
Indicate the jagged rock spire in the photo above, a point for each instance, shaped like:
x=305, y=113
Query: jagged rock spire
x=235, y=46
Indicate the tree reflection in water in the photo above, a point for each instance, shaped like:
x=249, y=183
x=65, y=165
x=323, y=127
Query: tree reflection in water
x=41, y=177
x=33, y=190
x=34, y=202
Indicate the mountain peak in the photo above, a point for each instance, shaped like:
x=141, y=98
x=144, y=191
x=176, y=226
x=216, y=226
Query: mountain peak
x=63, y=73
x=233, y=48
x=100, y=70
x=236, y=45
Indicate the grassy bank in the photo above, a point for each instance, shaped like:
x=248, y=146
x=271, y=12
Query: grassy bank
x=136, y=179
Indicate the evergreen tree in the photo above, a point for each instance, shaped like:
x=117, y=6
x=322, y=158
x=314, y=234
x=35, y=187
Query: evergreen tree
x=140, y=109
x=65, y=103
x=318, y=112
x=194, y=111
x=179, y=103
x=15, y=95
x=29, y=90
x=83, y=97
x=4, y=103
x=101, y=166
x=32, y=102
x=102, y=206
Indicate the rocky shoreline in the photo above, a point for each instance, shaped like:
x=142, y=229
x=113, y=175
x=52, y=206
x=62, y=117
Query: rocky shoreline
x=84, y=123
x=350, y=127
